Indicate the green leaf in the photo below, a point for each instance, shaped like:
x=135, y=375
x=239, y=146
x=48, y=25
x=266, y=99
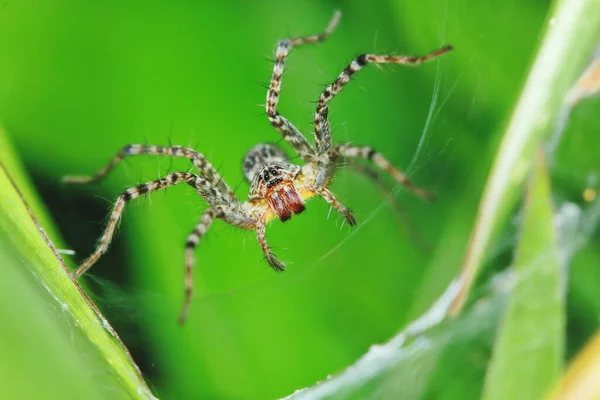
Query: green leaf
x=529, y=350
x=52, y=334
x=572, y=33
x=38, y=359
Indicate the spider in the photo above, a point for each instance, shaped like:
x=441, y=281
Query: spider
x=278, y=188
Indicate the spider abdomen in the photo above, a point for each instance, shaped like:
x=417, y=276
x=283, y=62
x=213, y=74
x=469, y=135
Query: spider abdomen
x=259, y=156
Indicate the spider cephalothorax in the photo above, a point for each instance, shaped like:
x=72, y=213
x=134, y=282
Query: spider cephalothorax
x=278, y=188
x=274, y=180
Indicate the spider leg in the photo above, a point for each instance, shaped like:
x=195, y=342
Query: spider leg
x=205, y=168
x=274, y=262
x=409, y=227
x=367, y=153
x=330, y=198
x=289, y=132
x=192, y=241
x=202, y=186
x=369, y=172
x=321, y=121
x=234, y=214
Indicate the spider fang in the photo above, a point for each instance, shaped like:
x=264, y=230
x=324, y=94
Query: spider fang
x=285, y=201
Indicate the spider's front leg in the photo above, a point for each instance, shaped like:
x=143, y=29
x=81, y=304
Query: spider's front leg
x=322, y=127
x=289, y=132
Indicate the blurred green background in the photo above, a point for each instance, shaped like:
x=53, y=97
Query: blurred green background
x=79, y=80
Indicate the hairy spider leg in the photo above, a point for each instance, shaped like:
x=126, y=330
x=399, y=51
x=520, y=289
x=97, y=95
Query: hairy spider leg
x=200, y=184
x=289, y=132
x=368, y=153
x=262, y=241
x=192, y=241
x=332, y=201
x=204, y=167
x=321, y=122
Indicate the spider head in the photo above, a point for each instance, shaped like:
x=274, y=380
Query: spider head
x=275, y=183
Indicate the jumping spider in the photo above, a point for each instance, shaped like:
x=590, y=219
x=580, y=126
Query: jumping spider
x=278, y=188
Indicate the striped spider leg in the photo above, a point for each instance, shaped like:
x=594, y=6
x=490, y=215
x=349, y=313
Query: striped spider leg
x=321, y=121
x=203, y=166
x=289, y=132
x=367, y=153
x=326, y=155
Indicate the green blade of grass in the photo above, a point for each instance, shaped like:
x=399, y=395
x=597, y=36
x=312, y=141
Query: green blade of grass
x=529, y=349
x=39, y=361
x=27, y=249
x=572, y=34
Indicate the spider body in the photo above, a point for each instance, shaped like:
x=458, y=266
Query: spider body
x=284, y=186
x=278, y=188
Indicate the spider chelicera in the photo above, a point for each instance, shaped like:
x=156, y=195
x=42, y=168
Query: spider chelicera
x=278, y=188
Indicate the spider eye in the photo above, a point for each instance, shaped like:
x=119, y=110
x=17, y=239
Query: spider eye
x=274, y=171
